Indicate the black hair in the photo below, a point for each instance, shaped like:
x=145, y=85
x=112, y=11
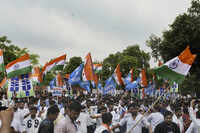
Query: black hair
x=107, y=118
x=53, y=110
x=177, y=109
x=75, y=106
x=134, y=105
x=167, y=113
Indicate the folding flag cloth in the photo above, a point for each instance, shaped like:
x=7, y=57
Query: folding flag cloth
x=88, y=72
x=19, y=66
x=2, y=67
x=144, y=79
x=129, y=77
x=97, y=68
x=85, y=85
x=59, y=80
x=110, y=86
x=52, y=83
x=75, y=76
x=177, y=68
x=55, y=64
x=20, y=86
x=118, y=76
x=36, y=75
x=100, y=87
x=133, y=85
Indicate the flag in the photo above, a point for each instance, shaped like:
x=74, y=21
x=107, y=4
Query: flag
x=20, y=86
x=174, y=87
x=144, y=79
x=36, y=77
x=75, y=76
x=133, y=85
x=129, y=77
x=85, y=85
x=52, y=83
x=4, y=83
x=2, y=67
x=88, y=72
x=100, y=87
x=59, y=81
x=177, y=68
x=118, y=76
x=97, y=68
x=110, y=86
x=55, y=64
x=19, y=66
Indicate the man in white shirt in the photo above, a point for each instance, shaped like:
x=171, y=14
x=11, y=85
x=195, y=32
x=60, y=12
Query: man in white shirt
x=177, y=118
x=32, y=122
x=195, y=125
x=155, y=118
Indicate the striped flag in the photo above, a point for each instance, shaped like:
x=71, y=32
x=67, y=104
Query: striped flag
x=177, y=68
x=36, y=75
x=59, y=81
x=118, y=76
x=2, y=67
x=19, y=66
x=97, y=68
x=55, y=64
x=129, y=77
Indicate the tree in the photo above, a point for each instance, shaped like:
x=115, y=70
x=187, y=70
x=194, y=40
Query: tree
x=185, y=30
x=73, y=63
x=12, y=52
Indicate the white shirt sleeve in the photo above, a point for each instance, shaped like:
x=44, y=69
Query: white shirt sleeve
x=193, y=118
x=190, y=129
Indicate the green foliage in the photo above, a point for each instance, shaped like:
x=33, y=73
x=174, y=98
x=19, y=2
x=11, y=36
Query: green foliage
x=73, y=63
x=12, y=52
x=185, y=30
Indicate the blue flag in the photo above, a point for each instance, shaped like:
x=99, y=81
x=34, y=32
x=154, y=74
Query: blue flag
x=100, y=87
x=109, y=86
x=127, y=80
x=52, y=83
x=75, y=76
x=85, y=85
x=133, y=85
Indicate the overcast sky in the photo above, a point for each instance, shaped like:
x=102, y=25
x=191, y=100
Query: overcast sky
x=51, y=28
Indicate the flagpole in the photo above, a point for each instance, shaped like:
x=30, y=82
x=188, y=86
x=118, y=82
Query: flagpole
x=145, y=114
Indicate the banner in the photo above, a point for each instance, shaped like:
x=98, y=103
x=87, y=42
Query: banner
x=20, y=87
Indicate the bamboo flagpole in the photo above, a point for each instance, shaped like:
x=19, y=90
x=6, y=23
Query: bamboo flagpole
x=145, y=113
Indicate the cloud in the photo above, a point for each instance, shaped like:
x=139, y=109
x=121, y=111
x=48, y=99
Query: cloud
x=76, y=27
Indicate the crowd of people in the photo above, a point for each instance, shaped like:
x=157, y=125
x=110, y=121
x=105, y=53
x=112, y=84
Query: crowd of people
x=92, y=113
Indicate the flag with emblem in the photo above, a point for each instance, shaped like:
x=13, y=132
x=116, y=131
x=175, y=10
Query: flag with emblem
x=177, y=68
x=19, y=66
x=20, y=86
x=2, y=67
x=55, y=64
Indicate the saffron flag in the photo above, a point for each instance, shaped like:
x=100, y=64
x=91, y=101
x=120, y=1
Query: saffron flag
x=2, y=67
x=59, y=81
x=144, y=79
x=88, y=72
x=118, y=76
x=177, y=68
x=129, y=77
x=19, y=66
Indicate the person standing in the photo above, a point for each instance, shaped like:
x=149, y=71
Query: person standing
x=47, y=125
x=67, y=124
x=167, y=126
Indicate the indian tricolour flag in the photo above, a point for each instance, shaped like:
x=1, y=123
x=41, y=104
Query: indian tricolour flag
x=97, y=68
x=118, y=76
x=177, y=68
x=19, y=66
x=55, y=64
x=2, y=67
